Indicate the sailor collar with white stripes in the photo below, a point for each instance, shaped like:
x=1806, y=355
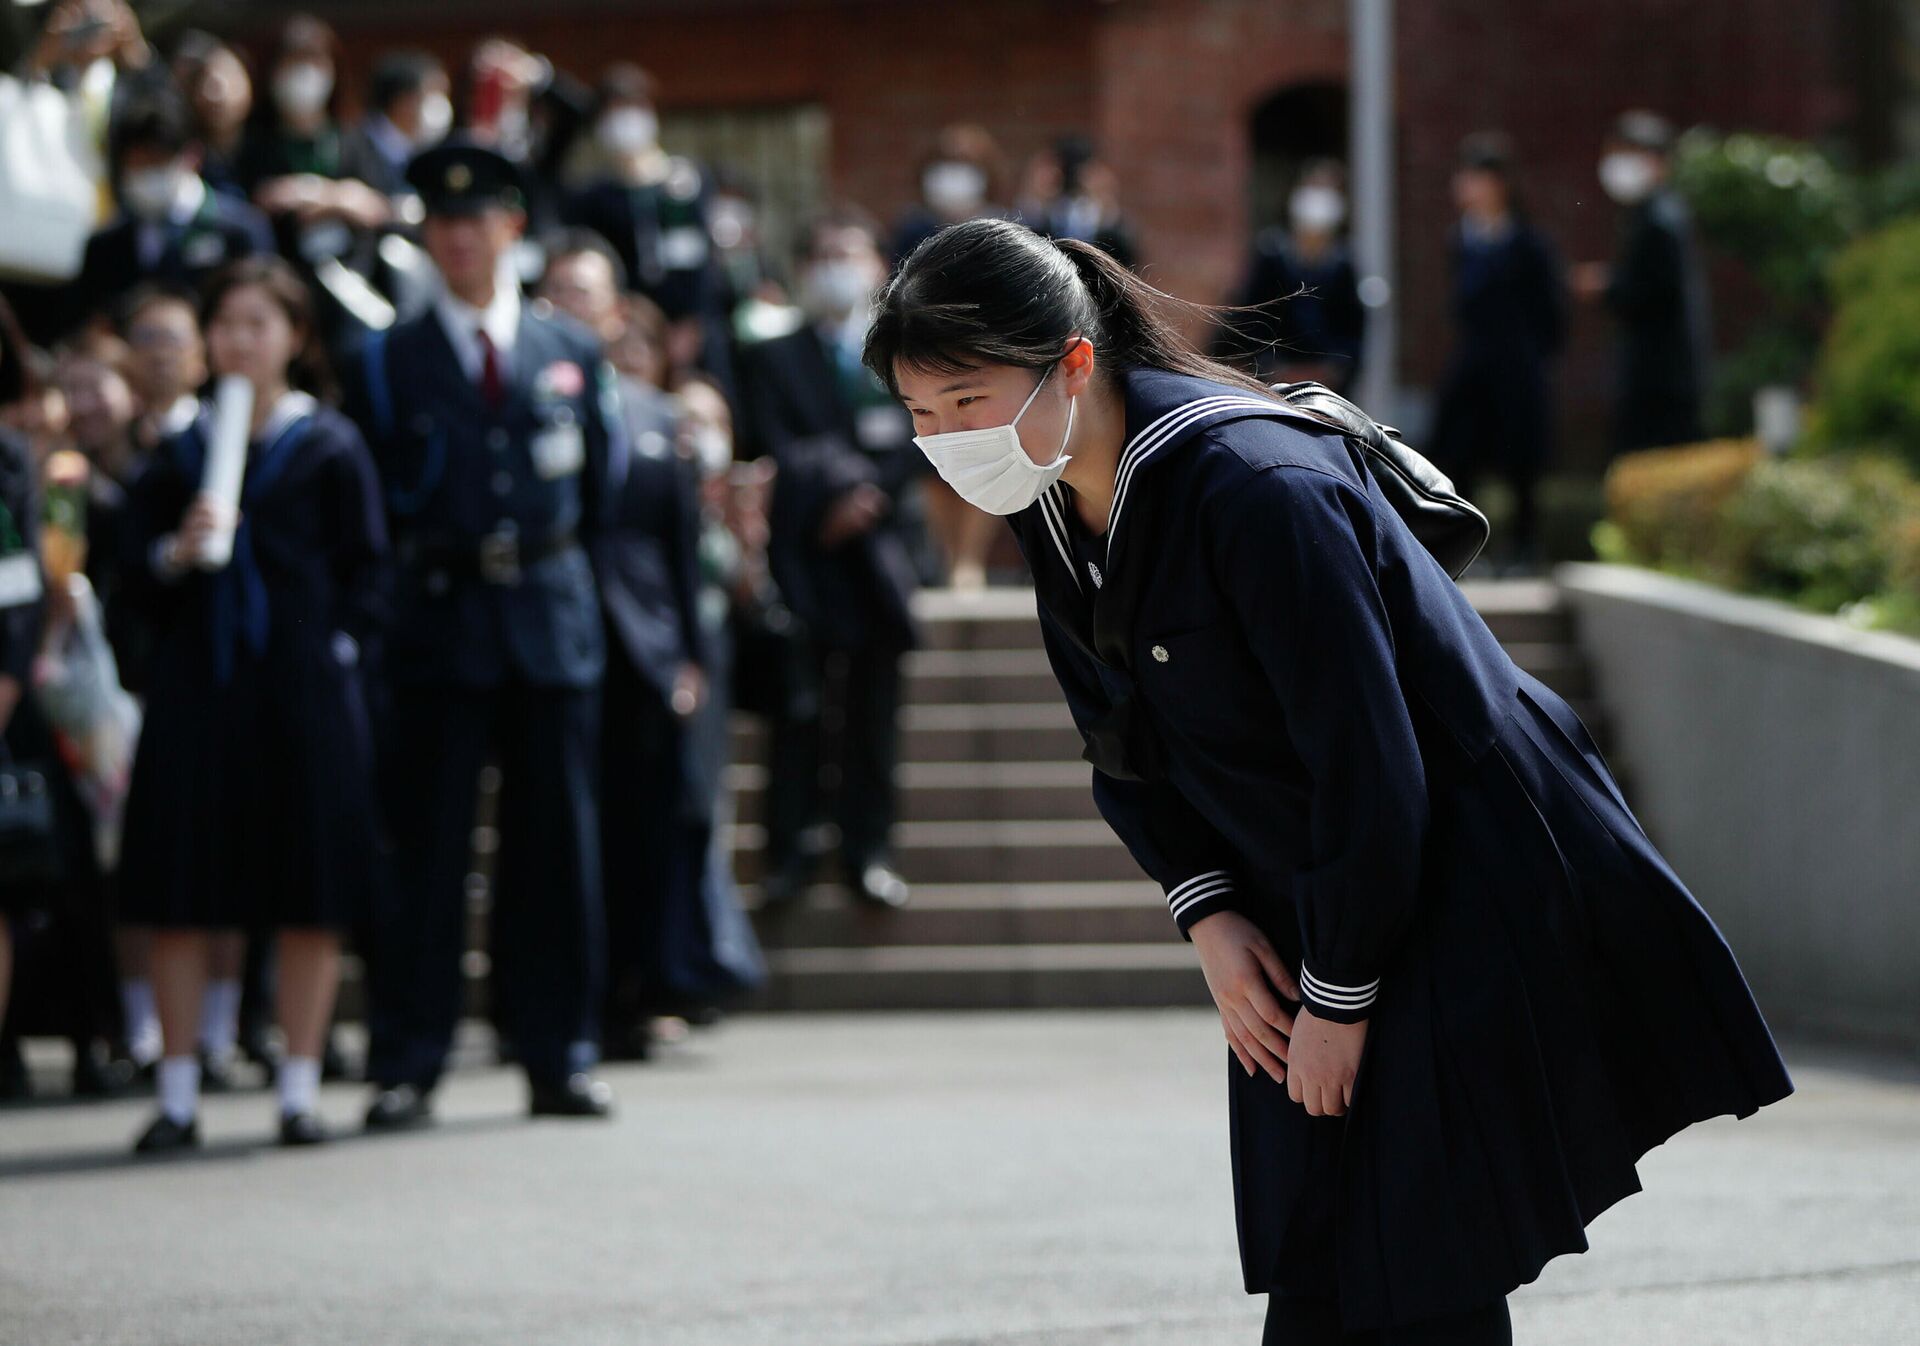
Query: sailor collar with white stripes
x=1166, y=430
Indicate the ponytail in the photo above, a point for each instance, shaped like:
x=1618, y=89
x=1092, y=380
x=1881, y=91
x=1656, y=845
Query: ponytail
x=988, y=292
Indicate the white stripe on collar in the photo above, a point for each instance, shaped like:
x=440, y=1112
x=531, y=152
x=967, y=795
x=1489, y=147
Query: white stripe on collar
x=1162, y=431
x=291, y=406
x=1141, y=447
x=1053, y=509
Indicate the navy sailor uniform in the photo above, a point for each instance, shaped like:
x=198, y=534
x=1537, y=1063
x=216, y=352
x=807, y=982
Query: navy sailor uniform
x=251, y=798
x=1295, y=713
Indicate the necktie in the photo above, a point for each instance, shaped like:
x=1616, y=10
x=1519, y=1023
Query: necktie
x=491, y=387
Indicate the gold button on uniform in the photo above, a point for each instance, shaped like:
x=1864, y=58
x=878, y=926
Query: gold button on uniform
x=1160, y=653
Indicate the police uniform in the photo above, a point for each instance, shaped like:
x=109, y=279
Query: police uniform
x=499, y=442
x=1295, y=714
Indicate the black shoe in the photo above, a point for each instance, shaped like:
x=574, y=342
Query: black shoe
x=580, y=1095
x=97, y=1073
x=630, y=1042
x=217, y=1074
x=166, y=1136
x=399, y=1107
x=880, y=885
x=302, y=1128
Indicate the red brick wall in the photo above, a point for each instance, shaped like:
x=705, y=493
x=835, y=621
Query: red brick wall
x=1178, y=84
x=1554, y=76
x=1168, y=87
x=887, y=76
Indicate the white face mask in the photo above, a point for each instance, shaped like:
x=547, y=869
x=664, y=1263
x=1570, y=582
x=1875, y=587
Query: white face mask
x=712, y=450
x=954, y=188
x=436, y=119
x=1626, y=177
x=1316, y=209
x=839, y=288
x=302, y=90
x=151, y=193
x=629, y=130
x=989, y=469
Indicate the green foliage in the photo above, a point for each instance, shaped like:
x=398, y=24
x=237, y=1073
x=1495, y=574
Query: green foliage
x=1663, y=504
x=1819, y=532
x=1834, y=534
x=1777, y=206
x=1869, y=366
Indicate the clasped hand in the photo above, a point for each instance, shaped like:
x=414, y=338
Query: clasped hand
x=1315, y=1058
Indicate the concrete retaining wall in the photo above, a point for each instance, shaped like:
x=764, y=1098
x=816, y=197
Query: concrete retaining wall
x=1775, y=759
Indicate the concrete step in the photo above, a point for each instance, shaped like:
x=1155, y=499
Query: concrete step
x=1004, y=619
x=959, y=791
x=962, y=913
x=989, y=677
x=982, y=852
x=1559, y=665
x=978, y=675
x=1039, y=731
x=1037, y=976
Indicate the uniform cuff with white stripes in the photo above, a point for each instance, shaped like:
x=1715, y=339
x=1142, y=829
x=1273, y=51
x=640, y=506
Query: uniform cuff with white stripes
x=1199, y=896
x=1342, y=1002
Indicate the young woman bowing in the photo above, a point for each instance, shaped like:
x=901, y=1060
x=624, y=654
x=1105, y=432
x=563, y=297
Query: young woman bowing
x=1463, y=990
x=250, y=801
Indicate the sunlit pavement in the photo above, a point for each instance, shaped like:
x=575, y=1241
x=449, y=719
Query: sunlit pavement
x=1020, y=1178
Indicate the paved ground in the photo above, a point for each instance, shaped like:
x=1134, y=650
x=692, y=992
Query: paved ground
x=927, y=1180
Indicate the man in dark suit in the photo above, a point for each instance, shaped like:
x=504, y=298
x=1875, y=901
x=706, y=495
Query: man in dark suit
x=845, y=452
x=172, y=228
x=498, y=436
x=411, y=109
x=1655, y=289
x=648, y=567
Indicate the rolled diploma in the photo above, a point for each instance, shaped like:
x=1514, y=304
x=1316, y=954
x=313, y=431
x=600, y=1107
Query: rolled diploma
x=227, y=463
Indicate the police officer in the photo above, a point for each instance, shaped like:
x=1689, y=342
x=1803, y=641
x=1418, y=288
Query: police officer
x=498, y=437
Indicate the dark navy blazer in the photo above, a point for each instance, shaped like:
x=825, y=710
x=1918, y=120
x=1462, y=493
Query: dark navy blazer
x=223, y=230
x=1299, y=661
x=455, y=473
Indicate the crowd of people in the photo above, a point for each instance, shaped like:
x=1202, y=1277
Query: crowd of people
x=538, y=467
x=547, y=469
x=1300, y=315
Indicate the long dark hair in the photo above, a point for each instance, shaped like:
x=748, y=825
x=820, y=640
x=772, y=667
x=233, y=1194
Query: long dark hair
x=308, y=369
x=991, y=292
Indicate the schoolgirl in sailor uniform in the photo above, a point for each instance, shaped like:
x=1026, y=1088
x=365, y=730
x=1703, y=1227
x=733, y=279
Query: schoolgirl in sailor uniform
x=250, y=805
x=1463, y=993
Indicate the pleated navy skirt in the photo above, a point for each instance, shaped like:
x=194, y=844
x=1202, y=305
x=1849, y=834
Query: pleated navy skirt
x=1530, y=1043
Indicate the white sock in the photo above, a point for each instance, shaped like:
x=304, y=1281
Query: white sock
x=299, y=1084
x=143, y=1024
x=180, y=1087
x=220, y=1017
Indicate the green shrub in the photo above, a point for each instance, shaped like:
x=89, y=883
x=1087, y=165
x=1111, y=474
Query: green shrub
x=1777, y=206
x=1869, y=367
x=1662, y=504
x=1822, y=533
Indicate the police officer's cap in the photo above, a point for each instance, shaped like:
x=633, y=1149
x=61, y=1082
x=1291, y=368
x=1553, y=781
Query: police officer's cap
x=460, y=176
